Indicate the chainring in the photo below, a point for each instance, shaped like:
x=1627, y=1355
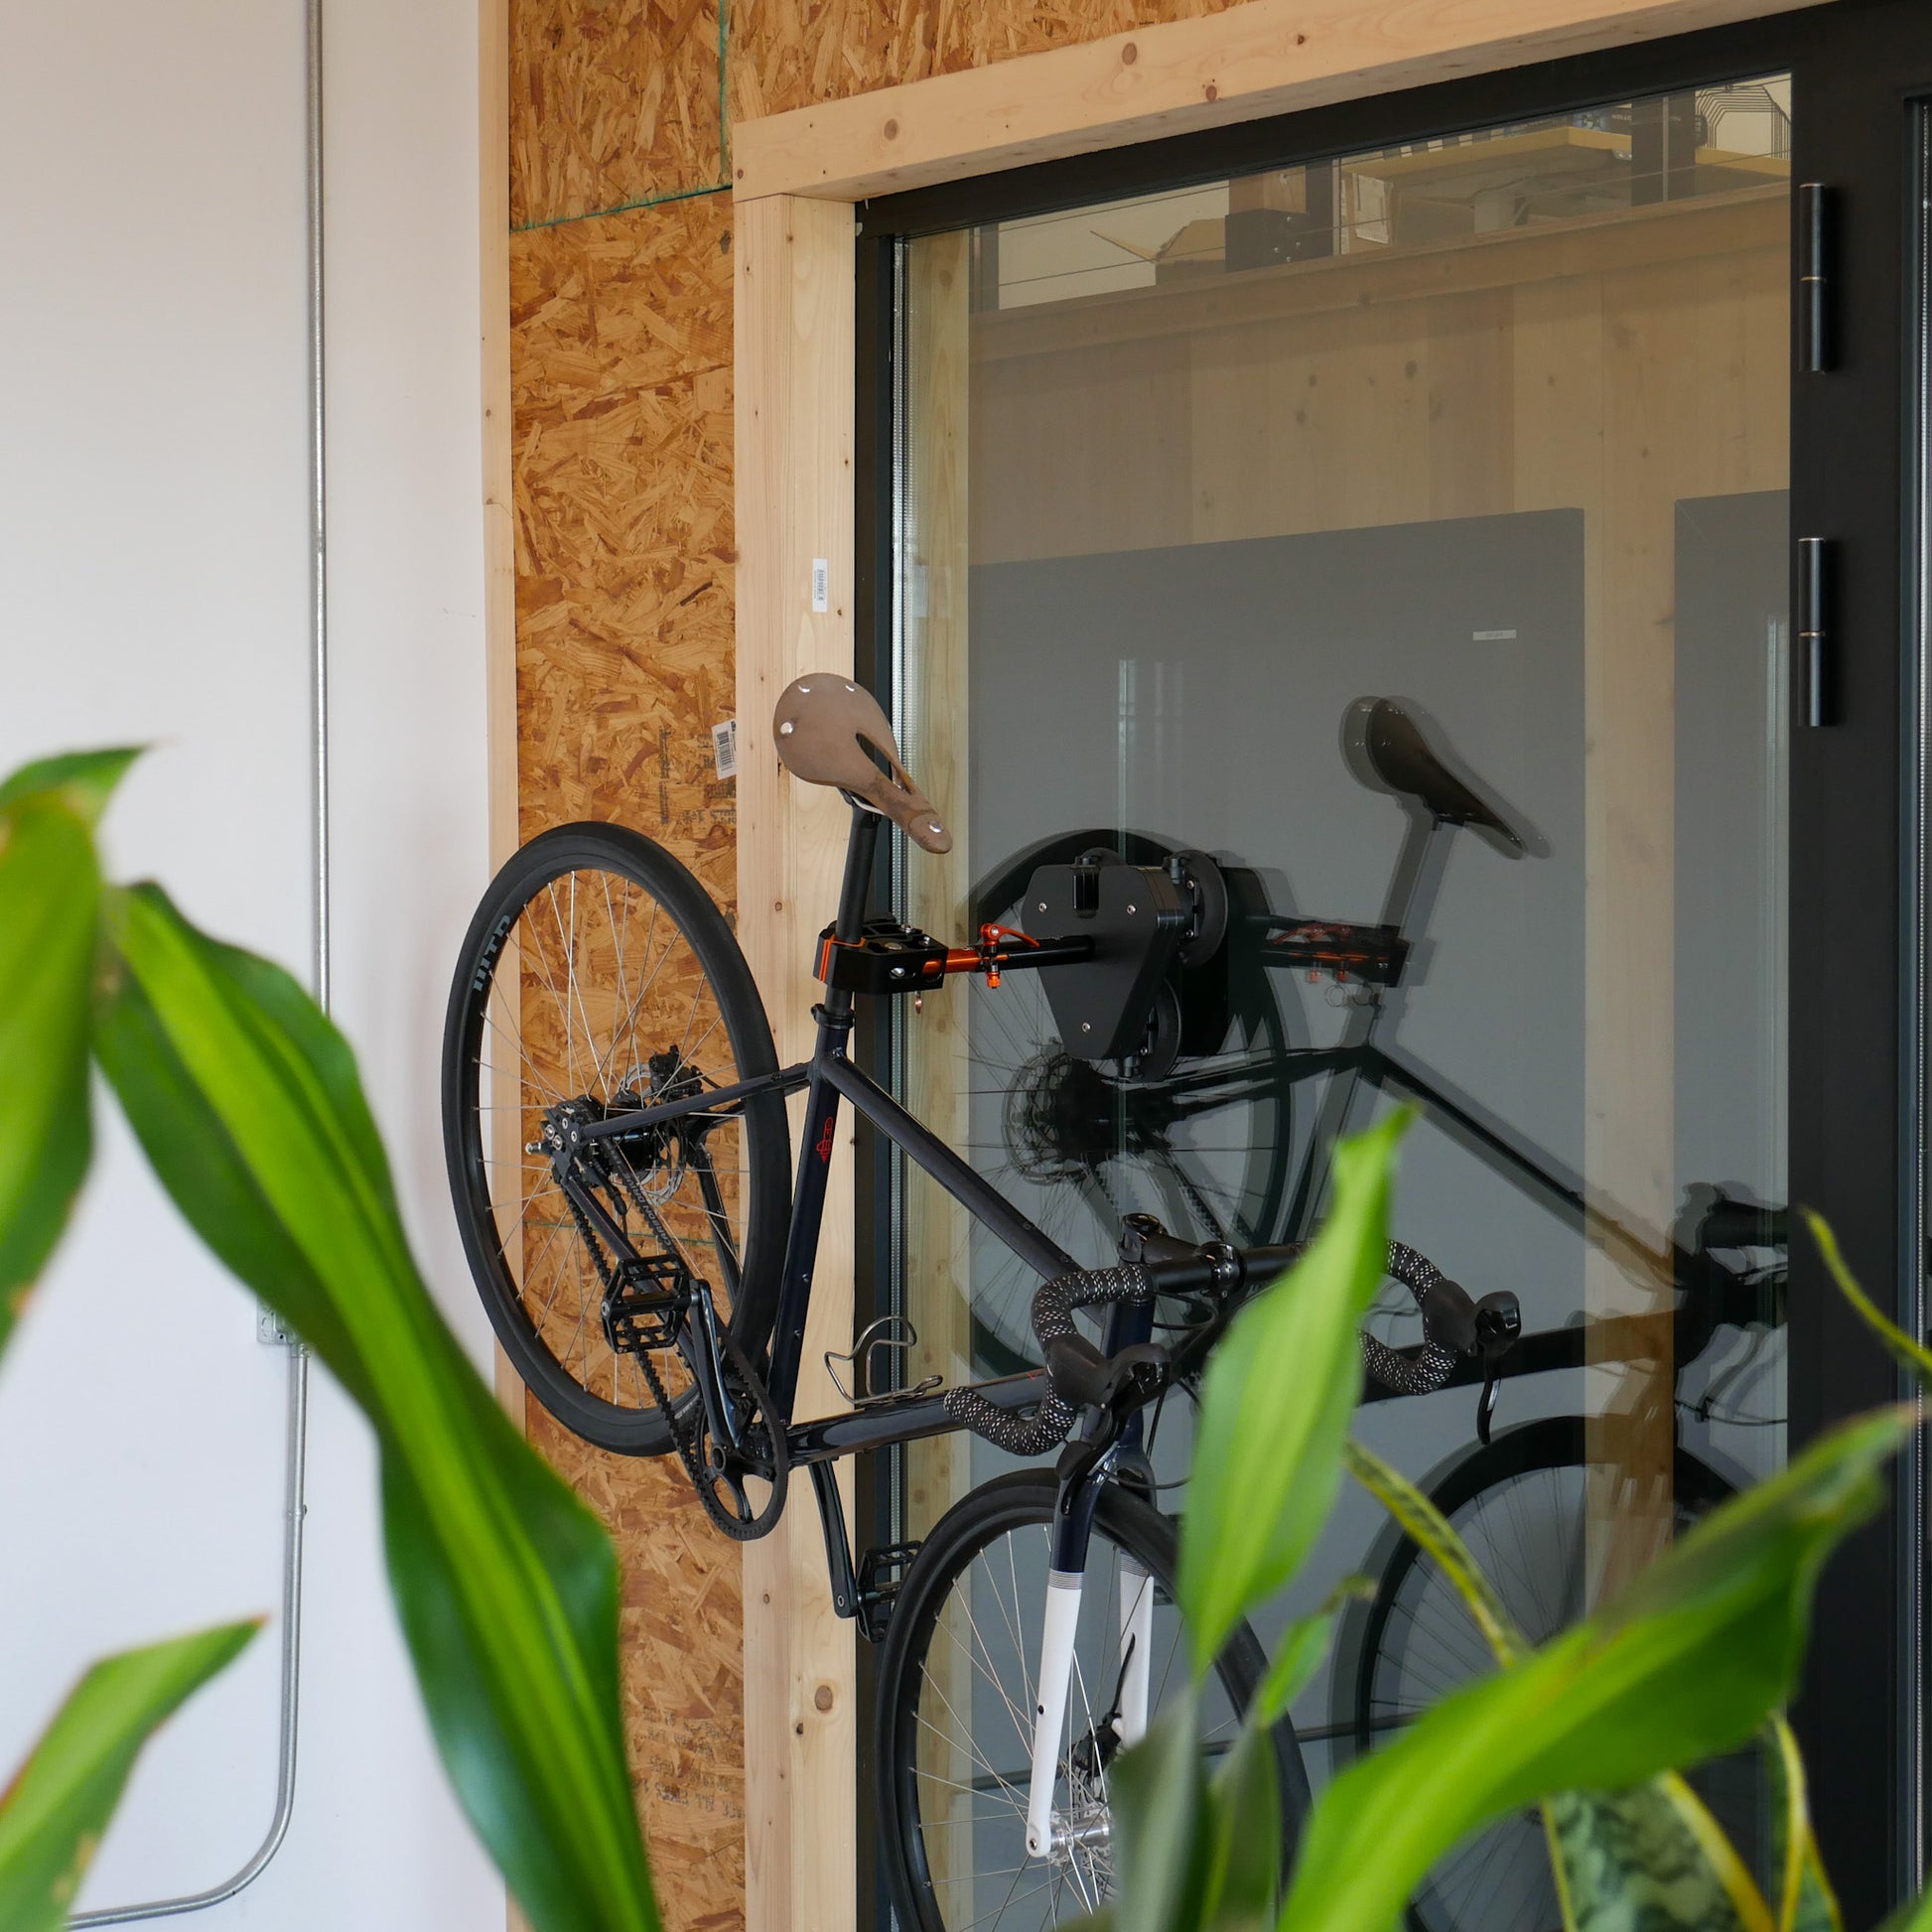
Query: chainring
x=719, y=1473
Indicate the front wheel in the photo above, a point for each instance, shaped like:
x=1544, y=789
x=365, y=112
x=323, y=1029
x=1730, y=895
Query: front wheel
x=597, y=979
x=955, y=1707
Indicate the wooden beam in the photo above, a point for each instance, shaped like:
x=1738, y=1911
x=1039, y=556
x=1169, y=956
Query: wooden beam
x=1267, y=57
x=794, y=445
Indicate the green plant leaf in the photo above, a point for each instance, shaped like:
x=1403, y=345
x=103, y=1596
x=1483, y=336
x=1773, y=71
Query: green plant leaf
x=1433, y=1533
x=1275, y=1406
x=1914, y=1354
x=1650, y=1856
x=53, y=1814
x=1915, y=1918
x=50, y=893
x=1807, y=1903
x=81, y=782
x=1299, y=1654
x=1159, y=1795
x=1242, y=1878
x=1623, y=1861
x=246, y=1101
x=1683, y=1664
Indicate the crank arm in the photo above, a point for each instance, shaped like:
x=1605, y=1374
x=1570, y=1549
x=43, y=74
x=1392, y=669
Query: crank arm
x=698, y=1345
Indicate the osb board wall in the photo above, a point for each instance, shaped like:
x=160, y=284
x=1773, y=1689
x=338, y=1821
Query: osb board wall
x=621, y=354
x=621, y=377
x=616, y=101
x=623, y=435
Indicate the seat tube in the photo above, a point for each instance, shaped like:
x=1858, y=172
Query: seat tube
x=835, y=1020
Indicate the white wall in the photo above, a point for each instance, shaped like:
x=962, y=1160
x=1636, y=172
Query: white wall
x=153, y=586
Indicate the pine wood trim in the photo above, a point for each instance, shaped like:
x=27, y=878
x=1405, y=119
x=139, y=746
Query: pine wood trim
x=1267, y=56
x=794, y=445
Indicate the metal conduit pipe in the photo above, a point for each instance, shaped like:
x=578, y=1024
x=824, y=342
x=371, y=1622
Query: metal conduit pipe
x=296, y=1439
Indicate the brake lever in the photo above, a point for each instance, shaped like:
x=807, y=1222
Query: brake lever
x=1487, y=1403
x=1499, y=1321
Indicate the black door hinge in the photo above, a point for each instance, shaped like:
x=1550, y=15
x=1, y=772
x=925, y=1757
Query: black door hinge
x=1814, y=337
x=1819, y=691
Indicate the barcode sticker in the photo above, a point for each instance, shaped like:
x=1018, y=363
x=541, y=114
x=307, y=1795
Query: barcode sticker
x=821, y=583
x=724, y=748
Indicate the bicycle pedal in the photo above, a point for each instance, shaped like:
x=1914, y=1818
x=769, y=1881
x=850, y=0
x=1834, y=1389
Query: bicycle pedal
x=647, y=1309
x=881, y=1573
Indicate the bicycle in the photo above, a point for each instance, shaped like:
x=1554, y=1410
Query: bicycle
x=615, y=1128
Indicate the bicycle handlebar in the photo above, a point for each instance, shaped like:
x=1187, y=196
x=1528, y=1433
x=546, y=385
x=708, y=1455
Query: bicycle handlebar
x=1080, y=1377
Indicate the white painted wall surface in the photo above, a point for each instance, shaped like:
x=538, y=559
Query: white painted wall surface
x=153, y=586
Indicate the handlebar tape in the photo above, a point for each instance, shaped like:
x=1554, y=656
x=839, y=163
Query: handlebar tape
x=1450, y=1319
x=1046, y=1427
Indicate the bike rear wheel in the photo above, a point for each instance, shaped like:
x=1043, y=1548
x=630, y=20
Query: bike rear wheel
x=954, y=1726
x=599, y=978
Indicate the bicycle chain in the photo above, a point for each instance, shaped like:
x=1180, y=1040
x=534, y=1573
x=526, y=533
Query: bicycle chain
x=685, y=1437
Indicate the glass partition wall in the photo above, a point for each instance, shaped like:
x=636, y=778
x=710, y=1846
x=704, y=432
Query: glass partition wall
x=1481, y=441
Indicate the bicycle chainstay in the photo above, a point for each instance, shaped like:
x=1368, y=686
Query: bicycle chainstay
x=685, y=1435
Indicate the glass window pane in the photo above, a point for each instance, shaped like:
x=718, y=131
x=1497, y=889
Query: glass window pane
x=1493, y=430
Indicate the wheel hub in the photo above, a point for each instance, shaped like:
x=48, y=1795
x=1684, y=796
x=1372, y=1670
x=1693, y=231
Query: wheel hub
x=1082, y=1843
x=1064, y=1117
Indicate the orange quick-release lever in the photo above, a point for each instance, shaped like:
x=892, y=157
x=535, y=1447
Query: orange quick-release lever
x=986, y=957
x=990, y=956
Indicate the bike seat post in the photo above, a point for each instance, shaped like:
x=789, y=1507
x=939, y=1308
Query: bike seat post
x=860, y=849
x=1411, y=884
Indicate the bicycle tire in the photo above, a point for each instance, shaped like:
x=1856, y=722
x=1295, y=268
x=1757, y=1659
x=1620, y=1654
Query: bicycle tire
x=1022, y=1502
x=1511, y=1854
x=610, y=865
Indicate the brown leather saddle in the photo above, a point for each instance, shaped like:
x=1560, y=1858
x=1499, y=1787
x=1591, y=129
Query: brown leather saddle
x=830, y=731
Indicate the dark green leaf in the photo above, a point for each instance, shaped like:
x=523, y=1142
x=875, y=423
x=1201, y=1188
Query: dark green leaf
x=1626, y=1860
x=246, y=1101
x=1274, y=1406
x=1683, y=1664
x=53, y=1814
x=1651, y=1856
